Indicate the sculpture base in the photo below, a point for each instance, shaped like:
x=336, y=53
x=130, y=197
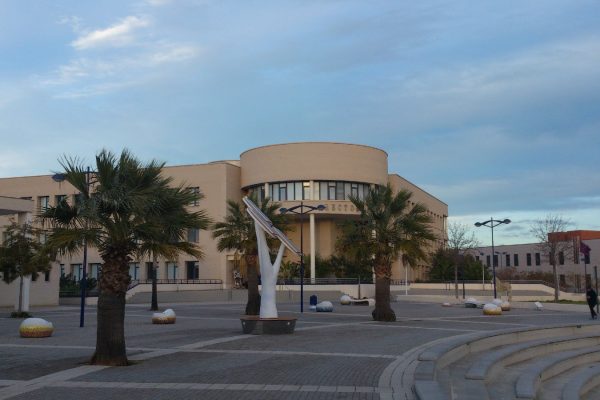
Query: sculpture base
x=254, y=325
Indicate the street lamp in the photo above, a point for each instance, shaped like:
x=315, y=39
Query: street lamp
x=492, y=223
x=294, y=210
x=83, y=282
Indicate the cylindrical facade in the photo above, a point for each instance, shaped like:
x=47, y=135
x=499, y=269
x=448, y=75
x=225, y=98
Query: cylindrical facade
x=313, y=161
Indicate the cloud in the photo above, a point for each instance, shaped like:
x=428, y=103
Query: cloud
x=119, y=34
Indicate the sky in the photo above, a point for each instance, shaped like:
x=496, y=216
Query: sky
x=491, y=106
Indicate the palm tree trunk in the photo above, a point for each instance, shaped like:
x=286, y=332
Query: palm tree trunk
x=110, y=338
x=110, y=335
x=383, y=310
x=253, y=304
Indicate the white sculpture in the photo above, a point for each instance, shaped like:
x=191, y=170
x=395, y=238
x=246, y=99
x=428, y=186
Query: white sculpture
x=268, y=275
x=497, y=302
x=345, y=300
x=538, y=306
x=268, y=270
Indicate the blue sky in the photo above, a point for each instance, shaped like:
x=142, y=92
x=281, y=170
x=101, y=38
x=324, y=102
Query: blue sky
x=493, y=107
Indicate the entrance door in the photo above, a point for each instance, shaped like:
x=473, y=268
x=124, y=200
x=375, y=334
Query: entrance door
x=193, y=269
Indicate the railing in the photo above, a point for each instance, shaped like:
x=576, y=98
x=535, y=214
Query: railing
x=322, y=281
x=136, y=282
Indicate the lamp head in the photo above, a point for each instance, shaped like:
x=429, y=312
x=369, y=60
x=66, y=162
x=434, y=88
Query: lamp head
x=506, y=221
x=283, y=210
x=321, y=207
x=478, y=224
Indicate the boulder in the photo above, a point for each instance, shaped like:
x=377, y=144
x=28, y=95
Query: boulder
x=165, y=317
x=492, y=309
x=36, y=328
x=505, y=306
x=325, y=306
x=345, y=300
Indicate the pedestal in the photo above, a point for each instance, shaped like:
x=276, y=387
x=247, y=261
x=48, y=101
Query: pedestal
x=254, y=325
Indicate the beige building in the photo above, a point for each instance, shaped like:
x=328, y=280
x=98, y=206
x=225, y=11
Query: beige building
x=315, y=173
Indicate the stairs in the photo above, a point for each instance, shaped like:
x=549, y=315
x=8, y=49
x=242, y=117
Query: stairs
x=551, y=363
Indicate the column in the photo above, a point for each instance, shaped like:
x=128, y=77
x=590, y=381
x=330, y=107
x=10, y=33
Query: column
x=313, y=255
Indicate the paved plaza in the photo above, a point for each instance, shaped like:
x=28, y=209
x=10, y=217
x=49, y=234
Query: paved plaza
x=339, y=355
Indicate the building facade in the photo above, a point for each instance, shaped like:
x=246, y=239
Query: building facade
x=528, y=258
x=314, y=173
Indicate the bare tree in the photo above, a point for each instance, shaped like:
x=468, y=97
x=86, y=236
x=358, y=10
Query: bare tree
x=460, y=240
x=551, y=246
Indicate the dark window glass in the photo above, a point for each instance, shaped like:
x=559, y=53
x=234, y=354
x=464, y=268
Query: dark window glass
x=196, y=191
x=192, y=269
x=508, y=260
x=193, y=235
x=496, y=260
x=538, y=260
x=561, y=258
x=150, y=270
x=487, y=260
x=47, y=276
x=516, y=260
x=529, y=259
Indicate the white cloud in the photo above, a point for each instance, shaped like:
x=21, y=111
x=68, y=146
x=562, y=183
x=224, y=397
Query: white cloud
x=116, y=35
x=173, y=53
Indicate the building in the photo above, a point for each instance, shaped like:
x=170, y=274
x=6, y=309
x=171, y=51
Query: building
x=523, y=259
x=315, y=173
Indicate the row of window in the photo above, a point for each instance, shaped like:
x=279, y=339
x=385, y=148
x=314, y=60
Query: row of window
x=515, y=259
x=169, y=271
x=302, y=190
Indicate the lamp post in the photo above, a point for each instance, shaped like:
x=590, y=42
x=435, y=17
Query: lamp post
x=492, y=223
x=482, y=273
x=302, y=209
x=83, y=282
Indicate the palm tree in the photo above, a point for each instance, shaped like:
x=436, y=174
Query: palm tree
x=127, y=208
x=236, y=232
x=388, y=226
x=22, y=254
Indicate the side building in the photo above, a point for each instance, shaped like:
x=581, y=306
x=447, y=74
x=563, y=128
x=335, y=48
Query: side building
x=529, y=260
x=314, y=173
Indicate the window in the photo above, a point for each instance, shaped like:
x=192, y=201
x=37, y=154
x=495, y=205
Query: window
x=196, y=191
x=354, y=190
x=561, y=258
x=538, y=260
x=43, y=203
x=507, y=260
x=192, y=269
x=171, y=270
x=77, y=271
x=298, y=191
x=306, y=191
x=134, y=271
x=339, y=190
x=150, y=270
x=331, y=190
x=529, y=259
x=43, y=237
x=282, y=192
x=59, y=198
x=47, y=276
x=95, y=270
x=516, y=260
x=487, y=260
x=193, y=235
x=77, y=199
x=495, y=260
x=477, y=258
x=62, y=270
